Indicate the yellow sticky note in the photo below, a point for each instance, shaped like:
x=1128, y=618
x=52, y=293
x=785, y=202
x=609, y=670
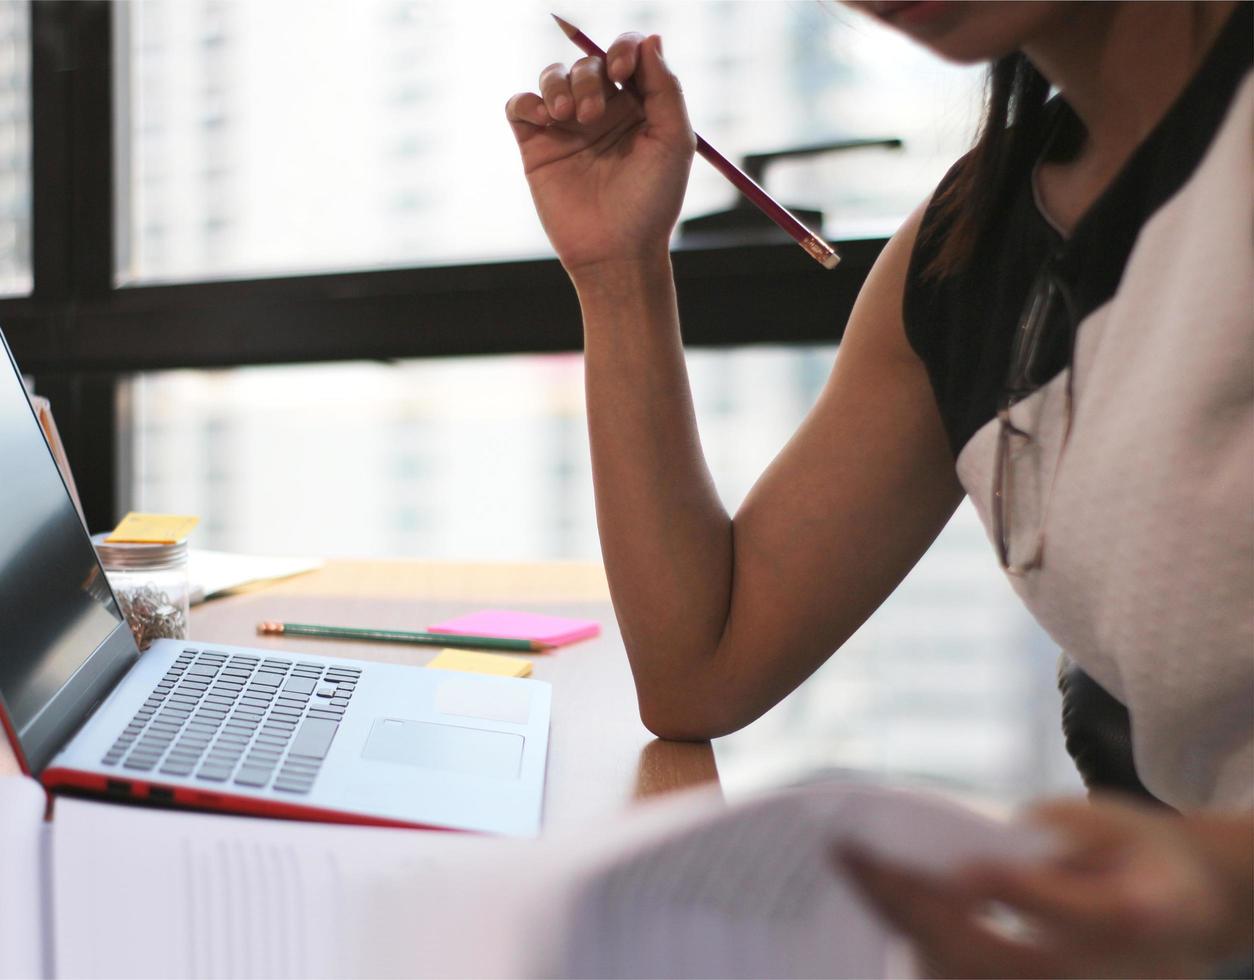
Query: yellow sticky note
x=481, y=663
x=153, y=528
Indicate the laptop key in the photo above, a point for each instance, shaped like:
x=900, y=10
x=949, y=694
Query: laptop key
x=314, y=737
x=252, y=776
x=232, y=740
x=300, y=685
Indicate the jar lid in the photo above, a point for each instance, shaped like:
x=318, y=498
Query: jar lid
x=121, y=555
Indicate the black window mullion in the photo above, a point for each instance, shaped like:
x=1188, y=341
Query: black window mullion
x=73, y=233
x=72, y=149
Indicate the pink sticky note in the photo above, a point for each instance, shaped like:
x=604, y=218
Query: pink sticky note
x=549, y=630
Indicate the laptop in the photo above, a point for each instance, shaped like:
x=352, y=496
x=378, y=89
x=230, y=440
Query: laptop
x=220, y=727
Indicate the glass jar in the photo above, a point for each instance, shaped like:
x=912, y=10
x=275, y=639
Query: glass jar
x=150, y=582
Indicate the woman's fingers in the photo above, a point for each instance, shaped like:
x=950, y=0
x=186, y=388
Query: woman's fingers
x=577, y=94
x=948, y=931
x=526, y=113
x=623, y=57
x=581, y=92
x=590, y=88
x=555, y=90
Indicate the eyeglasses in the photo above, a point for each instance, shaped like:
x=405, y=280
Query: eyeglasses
x=1030, y=368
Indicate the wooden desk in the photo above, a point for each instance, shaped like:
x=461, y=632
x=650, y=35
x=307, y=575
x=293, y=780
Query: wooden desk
x=601, y=757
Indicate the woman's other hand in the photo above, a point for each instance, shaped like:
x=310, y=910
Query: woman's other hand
x=1131, y=892
x=607, y=169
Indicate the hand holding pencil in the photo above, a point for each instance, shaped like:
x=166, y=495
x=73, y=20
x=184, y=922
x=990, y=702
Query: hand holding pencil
x=607, y=172
x=584, y=97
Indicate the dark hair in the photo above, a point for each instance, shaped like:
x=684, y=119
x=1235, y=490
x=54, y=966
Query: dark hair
x=1014, y=107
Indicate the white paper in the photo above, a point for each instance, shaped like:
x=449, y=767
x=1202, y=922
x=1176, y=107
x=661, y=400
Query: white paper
x=152, y=893
x=685, y=887
x=213, y=572
x=755, y=890
x=23, y=932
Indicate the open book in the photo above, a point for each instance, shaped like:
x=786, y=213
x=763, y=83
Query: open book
x=687, y=886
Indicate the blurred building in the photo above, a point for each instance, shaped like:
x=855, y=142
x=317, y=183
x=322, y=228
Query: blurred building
x=15, y=196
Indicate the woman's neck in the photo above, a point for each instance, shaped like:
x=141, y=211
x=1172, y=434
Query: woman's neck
x=1120, y=66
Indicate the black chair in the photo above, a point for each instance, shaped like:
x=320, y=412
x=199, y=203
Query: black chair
x=1098, y=735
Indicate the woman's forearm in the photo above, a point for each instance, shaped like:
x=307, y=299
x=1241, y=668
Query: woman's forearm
x=665, y=536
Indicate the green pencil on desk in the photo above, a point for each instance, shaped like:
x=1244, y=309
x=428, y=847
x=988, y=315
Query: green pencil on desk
x=400, y=636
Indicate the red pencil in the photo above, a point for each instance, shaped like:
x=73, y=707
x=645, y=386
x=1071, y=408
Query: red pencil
x=818, y=249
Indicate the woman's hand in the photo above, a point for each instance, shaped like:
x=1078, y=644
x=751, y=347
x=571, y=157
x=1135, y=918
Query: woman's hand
x=1132, y=892
x=607, y=169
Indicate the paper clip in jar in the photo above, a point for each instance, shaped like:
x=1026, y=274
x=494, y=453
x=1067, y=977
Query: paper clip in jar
x=151, y=586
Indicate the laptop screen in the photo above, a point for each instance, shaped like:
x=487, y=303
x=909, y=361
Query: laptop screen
x=56, y=609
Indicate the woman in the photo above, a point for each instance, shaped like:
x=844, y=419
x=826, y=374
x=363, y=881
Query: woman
x=1063, y=331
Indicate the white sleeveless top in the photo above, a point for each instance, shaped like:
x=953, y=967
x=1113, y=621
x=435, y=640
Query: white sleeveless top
x=1147, y=579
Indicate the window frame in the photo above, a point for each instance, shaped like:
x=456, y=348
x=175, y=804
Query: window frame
x=80, y=335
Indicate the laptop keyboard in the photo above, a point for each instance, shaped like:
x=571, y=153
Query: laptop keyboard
x=255, y=721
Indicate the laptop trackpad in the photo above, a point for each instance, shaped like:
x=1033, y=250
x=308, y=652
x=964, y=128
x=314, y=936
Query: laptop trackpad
x=449, y=748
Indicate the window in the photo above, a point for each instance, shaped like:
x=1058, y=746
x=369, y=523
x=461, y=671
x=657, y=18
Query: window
x=15, y=198
x=281, y=137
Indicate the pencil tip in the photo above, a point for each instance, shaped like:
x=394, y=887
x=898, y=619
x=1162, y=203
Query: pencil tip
x=269, y=628
x=569, y=29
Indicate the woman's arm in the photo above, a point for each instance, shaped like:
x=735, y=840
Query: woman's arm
x=721, y=617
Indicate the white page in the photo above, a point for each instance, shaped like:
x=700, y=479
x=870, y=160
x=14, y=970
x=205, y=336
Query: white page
x=683, y=887
x=754, y=891
x=690, y=887
x=212, y=572
x=157, y=893
x=23, y=931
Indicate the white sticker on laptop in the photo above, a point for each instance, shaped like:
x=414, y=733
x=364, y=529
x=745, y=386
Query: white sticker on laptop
x=475, y=698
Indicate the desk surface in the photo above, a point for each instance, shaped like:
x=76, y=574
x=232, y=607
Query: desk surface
x=601, y=757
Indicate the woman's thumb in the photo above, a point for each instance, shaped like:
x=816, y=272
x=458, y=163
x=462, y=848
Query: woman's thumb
x=659, y=88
